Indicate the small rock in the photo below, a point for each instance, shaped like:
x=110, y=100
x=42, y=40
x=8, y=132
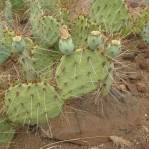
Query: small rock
x=141, y=87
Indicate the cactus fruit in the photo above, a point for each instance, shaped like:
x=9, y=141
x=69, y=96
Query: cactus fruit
x=6, y=133
x=114, y=48
x=95, y=40
x=111, y=15
x=81, y=72
x=66, y=45
x=145, y=33
x=18, y=44
x=32, y=103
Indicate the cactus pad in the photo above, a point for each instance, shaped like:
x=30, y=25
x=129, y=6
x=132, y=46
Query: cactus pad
x=111, y=15
x=80, y=29
x=45, y=29
x=82, y=72
x=6, y=133
x=32, y=103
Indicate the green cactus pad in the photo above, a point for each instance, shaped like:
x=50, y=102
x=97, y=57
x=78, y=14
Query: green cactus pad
x=32, y=103
x=37, y=63
x=5, y=45
x=82, y=72
x=111, y=15
x=6, y=133
x=4, y=54
x=80, y=30
x=45, y=29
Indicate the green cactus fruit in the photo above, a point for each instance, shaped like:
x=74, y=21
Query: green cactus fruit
x=145, y=33
x=6, y=133
x=114, y=48
x=111, y=15
x=82, y=72
x=95, y=40
x=80, y=30
x=32, y=103
x=18, y=44
x=66, y=45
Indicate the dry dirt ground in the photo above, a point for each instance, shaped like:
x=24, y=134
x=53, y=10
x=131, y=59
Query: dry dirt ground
x=120, y=120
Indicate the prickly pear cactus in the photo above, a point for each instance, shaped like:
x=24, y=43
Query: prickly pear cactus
x=6, y=133
x=82, y=72
x=80, y=30
x=32, y=103
x=27, y=69
x=36, y=63
x=45, y=29
x=111, y=15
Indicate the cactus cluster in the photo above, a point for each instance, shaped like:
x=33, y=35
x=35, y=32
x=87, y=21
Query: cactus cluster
x=75, y=55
